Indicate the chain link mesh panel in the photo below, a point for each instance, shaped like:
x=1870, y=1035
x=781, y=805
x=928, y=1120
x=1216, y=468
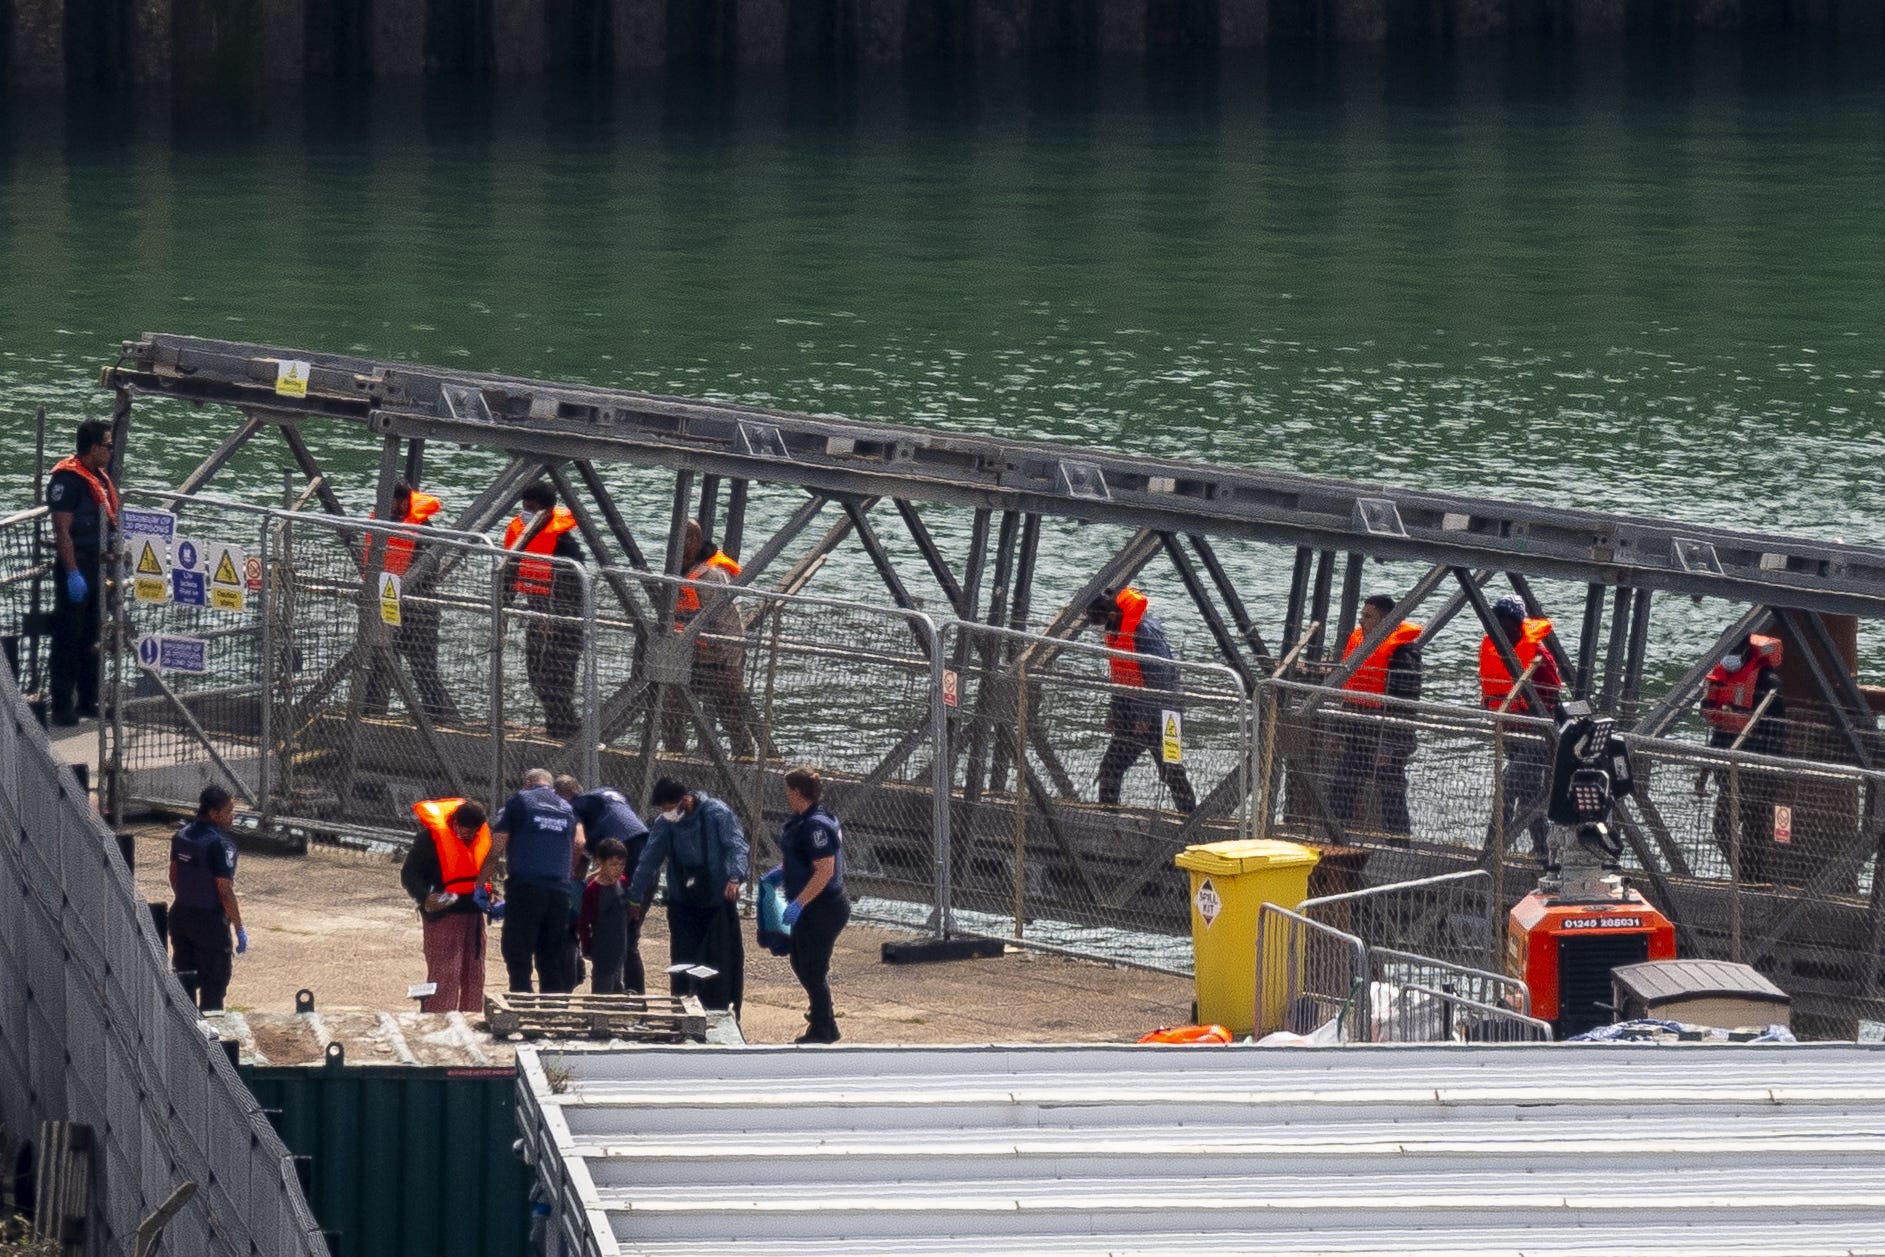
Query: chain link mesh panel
x=1309, y=975
x=1452, y=918
x=25, y=597
x=1078, y=831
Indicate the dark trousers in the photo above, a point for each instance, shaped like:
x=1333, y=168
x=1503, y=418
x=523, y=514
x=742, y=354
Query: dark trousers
x=75, y=627
x=813, y=937
x=615, y=959
x=551, y=653
x=201, y=953
x=708, y=936
x=1372, y=756
x=1527, y=762
x=536, y=929
x=417, y=642
x=1128, y=744
x=722, y=692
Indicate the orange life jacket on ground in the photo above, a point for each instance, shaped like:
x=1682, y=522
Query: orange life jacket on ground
x=1372, y=677
x=104, y=492
x=1132, y=605
x=1728, y=697
x=1188, y=1034
x=688, y=601
x=399, y=548
x=458, y=863
x=535, y=577
x=1494, y=681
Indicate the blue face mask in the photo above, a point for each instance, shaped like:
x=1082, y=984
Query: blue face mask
x=1731, y=663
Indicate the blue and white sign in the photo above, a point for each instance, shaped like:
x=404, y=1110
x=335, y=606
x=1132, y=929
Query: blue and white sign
x=137, y=521
x=163, y=653
x=189, y=583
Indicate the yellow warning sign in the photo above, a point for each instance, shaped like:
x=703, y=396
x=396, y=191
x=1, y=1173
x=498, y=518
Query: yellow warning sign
x=227, y=591
x=150, y=580
x=389, y=599
x=1172, y=745
x=148, y=564
x=226, y=572
x=291, y=378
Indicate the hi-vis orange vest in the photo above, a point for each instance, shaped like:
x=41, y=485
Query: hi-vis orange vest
x=399, y=549
x=688, y=602
x=1372, y=677
x=458, y=864
x=535, y=577
x=1132, y=605
x=104, y=492
x=1494, y=681
x=1728, y=697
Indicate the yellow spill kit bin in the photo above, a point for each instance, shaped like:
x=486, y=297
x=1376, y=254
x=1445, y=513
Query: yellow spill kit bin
x=1228, y=882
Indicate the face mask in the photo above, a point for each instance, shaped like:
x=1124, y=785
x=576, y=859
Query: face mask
x=1731, y=662
x=673, y=815
x=531, y=518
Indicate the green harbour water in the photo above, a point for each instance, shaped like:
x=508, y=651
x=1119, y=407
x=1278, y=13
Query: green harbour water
x=1646, y=280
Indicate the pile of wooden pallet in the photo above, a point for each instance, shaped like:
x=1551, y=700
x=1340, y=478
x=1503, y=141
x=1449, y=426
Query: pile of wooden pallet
x=639, y=1018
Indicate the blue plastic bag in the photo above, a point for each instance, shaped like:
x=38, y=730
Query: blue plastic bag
x=774, y=934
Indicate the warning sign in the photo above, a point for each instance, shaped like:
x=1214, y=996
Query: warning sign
x=1783, y=823
x=1208, y=904
x=952, y=688
x=389, y=599
x=163, y=653
x=1172, y=743
x=291, y=378
x=227, y=589
x=189, y=583
x=252, y=573
x=150, y=569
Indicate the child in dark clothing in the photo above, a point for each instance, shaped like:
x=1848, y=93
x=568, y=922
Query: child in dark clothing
x=603, y=928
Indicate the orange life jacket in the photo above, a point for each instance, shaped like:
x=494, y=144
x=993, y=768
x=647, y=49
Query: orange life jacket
x=688, y=601
x=1188, y=1034
x=1132, y=605
x=399, y=548
x=1372, y=677
x=104, y=492
x=458, y=863
x=536, y=577
x=1494, y=681
x=1728, y=697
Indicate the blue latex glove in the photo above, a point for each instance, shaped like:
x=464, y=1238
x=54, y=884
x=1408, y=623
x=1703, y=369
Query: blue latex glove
x=75, y=586
x=242, y=940
x=790, y=917
x=481, y=896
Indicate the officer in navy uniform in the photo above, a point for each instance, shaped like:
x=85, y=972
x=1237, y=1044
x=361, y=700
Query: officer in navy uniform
x=544, y=841
x=84, y=507
x=812, y=843
x=203, y=879
x=605, y=813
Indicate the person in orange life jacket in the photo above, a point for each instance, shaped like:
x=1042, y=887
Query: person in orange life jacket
x=552, y=648
x=816, y=911
x=606, y=814
x=84, y=508
x=203, y=879
x=1527, y=754
x=1734, y=688
x=440, y=874
x=1375, y=751
x=1133, y=716
x=698, y=840
x=544, y=843
x=417, y=637
x=719, y=649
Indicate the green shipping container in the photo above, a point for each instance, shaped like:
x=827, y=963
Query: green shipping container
x=404, y=1161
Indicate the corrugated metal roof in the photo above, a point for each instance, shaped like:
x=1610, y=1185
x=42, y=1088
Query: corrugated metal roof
x=1140, y=1152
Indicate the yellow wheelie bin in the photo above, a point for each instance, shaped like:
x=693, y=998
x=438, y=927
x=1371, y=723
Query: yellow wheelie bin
x=1228, y=882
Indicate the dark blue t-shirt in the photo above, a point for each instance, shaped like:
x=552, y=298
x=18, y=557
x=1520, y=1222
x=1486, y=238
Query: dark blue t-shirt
x=67, y=491
x=806, y=839
x=542, y=831
x=606, y=814
x=202, y=853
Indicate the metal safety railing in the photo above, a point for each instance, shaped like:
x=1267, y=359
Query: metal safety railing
x=95, y=1030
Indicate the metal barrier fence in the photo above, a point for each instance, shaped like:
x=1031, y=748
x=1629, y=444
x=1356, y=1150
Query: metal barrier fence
x=94, y=1029
x=1452, y=918
x=25, y=598
x=1308, y=975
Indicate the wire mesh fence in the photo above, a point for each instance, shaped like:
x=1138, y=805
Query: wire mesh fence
x=1309, y=975
x=1452, y=918
x=25, y=597
x=1074, y=790
x=97, y=1031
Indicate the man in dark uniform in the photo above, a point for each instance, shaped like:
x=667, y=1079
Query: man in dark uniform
x=84, y=507
x=203, y=879
x=816, y=911
x=544, y=841
x=552, y=646
x=604, y=813
x=700, y=841
x=1143, y=688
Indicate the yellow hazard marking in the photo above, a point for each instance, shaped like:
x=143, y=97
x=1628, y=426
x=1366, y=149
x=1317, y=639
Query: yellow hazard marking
x=226, y=572
x=389, y=589
x=291, y=378
x=147, y=563
x=389, y=600
x=1173, y=749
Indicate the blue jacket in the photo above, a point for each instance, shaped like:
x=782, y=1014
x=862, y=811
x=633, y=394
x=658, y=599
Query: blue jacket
x=709, y=837
x=202, y=853
x=803, y=841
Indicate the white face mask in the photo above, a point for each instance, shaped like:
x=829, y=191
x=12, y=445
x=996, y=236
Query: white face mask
x=1731, y=662
x=673, y=815
x=530, y=519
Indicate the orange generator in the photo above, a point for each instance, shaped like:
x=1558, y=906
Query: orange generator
x=1564, y=951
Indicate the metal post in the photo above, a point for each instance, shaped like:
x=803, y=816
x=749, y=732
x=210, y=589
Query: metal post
x=1351, y=604
x=497, y=644
x=1613, y=653
x=1498, y=802
x=39, y=456
x=1240, y=615
x=709, y=504
x=1633, y=661
x=1734, y=826
x=1587, y=634
x=942, y=772
x=734, y=533
x=592, y=710
x=1325, y=577
x=415, y=460
x=1298, y=594
x=1024, y=573
x=265, y=682
x=1020, y=801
